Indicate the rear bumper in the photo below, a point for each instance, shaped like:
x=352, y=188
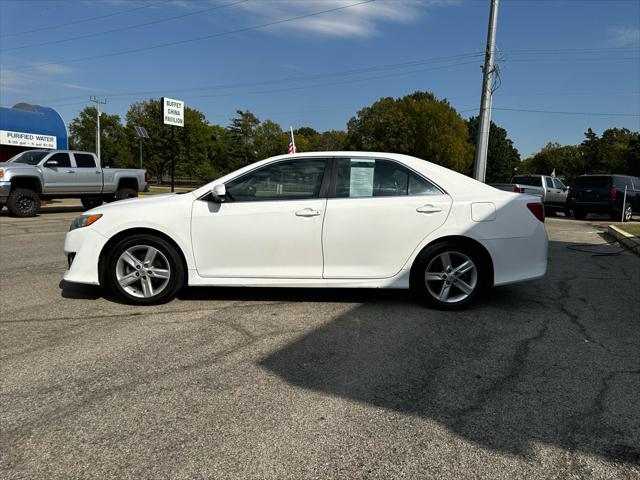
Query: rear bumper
x=594, y=207
x=519, y=259
x=82, y=248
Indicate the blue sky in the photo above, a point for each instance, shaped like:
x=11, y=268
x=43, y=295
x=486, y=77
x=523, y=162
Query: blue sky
x=317, y=69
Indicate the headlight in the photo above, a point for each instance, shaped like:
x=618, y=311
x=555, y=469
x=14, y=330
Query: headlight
x=84, y=221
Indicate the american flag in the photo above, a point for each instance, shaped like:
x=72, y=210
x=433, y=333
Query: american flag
x=292, y=143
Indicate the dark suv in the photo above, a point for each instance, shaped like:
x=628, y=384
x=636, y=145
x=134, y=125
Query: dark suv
x=604, y=194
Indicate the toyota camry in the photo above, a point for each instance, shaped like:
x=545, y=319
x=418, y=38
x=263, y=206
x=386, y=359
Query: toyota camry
x=328, y=219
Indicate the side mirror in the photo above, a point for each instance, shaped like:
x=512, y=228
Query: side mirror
x=51, y=163
x=219, y=192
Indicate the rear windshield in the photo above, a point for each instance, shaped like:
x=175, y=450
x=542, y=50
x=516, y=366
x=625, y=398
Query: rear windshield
x=533, y=181
x=592, y=182
x=30, y=158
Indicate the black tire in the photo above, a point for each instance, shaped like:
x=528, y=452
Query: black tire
x=579, y=214
x=549, y=212
x=23, y=202
x=124, y=193
x=567, y=212
x=134, y=293
x=429, y=260
x=91, y=202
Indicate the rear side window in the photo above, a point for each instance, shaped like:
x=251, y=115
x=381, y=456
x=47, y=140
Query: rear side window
x=84, y=160
x=621, y=182
x=368, y=177
x=636, y=183
x=592, y=182
x=526, y=180
x=558, y=184
x=62, y=159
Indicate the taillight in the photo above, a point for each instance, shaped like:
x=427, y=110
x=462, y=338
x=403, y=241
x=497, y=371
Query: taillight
x=537, y=209
x=614, y=191
x=517, y=189
x=146, y=176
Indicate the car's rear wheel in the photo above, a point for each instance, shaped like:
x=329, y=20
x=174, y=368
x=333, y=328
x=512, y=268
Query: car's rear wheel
x=144, y=270
x=579, y=214
x=91, y=202
x=23, y=202
x=449, y=275
x=124, y=193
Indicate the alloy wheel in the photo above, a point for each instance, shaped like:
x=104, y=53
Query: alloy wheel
x=451, y=277
x=143, y=271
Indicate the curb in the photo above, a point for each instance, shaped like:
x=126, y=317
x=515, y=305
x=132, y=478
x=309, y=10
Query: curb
x=630, y=242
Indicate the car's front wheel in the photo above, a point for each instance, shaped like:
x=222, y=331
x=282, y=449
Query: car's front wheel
x=144, y=270
x=23, y=202
x=449, y=275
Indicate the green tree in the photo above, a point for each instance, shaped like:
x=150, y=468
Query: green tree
x=418, y=125
x=568, y=161
x=502, y=157
x=242, y=136
x=114, y=145
x=270, y=140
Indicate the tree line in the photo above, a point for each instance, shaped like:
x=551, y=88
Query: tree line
x=418, y=124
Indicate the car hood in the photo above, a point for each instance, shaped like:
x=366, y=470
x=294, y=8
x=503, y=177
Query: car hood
x=134, y=203
x=13, y=166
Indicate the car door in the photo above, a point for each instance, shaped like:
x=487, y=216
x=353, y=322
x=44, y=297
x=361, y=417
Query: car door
x=88, y=174
x=552, y=193
x=562, y=192
x=58, y=173
x=269, y=226
x=377, y=214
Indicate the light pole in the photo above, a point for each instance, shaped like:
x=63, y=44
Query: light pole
x=142, y=133
x=98, y=102
x=484, y=120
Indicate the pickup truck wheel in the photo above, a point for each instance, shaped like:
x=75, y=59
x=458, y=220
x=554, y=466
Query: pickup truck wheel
x=448, y=275
x=145, y=270
x=23, y=202
x=579, y=214
x=91, y=202
x=125, y=193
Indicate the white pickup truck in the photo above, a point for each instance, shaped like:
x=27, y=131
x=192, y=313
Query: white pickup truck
x=36, y=175
x=552, y=192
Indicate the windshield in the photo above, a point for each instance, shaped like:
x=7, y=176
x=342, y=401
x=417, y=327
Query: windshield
x=30, y=157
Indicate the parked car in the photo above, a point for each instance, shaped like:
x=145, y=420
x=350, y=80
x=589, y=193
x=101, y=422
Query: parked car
x=329, y=219
x=36, y=175
x=605, y=194
x=550, y=189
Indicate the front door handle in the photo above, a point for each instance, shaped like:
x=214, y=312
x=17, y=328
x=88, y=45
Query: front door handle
x=307, y=212
x=428, y=209
x=70, y=171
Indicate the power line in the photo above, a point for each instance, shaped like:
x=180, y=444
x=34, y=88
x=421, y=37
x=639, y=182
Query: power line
x=83, y=20
x=569, y=113
x=191, y=40
x=121, y=29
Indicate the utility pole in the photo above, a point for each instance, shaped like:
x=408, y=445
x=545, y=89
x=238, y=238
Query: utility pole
x=484, y=120
x=98, y=102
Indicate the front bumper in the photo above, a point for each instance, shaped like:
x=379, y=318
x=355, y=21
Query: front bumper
x=5, y=189
x=82, y=247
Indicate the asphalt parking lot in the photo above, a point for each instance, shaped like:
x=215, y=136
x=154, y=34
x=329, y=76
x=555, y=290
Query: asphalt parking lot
x=538, y=380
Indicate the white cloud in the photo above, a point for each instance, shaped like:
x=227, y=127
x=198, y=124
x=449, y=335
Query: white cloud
x=362, y=20
x=624, y=37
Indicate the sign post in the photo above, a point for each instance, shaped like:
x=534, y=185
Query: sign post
x=173, y=114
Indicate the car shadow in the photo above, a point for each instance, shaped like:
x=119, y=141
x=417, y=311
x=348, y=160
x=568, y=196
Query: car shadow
x=531, y=365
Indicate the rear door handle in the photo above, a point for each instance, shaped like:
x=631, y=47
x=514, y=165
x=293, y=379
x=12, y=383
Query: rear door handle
x=428, y=209
x=70, y=171
x=307, y=212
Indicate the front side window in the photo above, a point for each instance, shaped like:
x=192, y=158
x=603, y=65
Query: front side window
x=558, y=184
x=29, y=157
x=298, y=179
x=368, y=177
x=84, y=160
x=62, y=159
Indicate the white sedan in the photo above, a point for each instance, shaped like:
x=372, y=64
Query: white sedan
x=326, y=219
